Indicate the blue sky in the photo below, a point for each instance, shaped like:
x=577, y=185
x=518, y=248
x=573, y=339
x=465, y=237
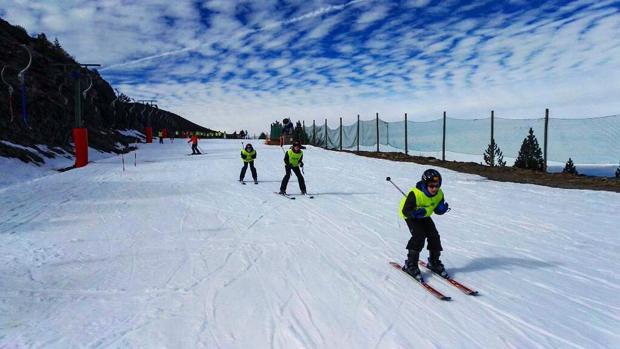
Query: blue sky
x=243, y=64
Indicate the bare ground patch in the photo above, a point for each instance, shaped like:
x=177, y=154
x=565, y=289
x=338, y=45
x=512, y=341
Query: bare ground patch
x=506, y=174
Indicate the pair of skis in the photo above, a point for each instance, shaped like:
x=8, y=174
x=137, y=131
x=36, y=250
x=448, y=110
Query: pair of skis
x=431, y=289
x=244, y=183
x=290, y=197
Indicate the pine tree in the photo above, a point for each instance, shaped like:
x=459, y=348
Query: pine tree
x=123, y=98
x=570, y=167
x=262, y=136
x=299, y=133
x=530, y=155
x=493, y=156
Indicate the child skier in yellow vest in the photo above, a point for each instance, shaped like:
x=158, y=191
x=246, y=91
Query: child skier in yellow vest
x=416, y=209
x=248, y=155
x=293, y=161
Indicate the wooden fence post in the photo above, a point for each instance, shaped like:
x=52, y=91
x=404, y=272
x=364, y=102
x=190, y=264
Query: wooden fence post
x=358, y=133
x=340, y=133
x=406, y=145
x=443, y=143
x=492, y=138
x=377, y=132
x=326, y=133
x=546, y=138
x=313, y=133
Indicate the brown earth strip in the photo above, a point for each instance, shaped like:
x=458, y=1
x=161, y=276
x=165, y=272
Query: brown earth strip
x=506, y=174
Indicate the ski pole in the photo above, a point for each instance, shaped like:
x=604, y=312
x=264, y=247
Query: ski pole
x=390, y=180
x=22, y=81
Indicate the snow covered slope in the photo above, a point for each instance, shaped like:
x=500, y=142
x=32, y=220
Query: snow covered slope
x=175, y=253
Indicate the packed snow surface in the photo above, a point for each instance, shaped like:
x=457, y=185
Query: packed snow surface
x=175, y=253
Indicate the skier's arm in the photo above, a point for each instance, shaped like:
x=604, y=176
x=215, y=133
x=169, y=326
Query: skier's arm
x=254, y=155
x=442, y=207
x=286, y=162
x=409, y=209
x=301, y=160
x=242, y=157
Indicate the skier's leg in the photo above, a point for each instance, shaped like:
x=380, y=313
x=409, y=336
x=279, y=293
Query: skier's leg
x=416, y=228
x=300, y=179
x=243, y=169
x=411, y=264
x=285, y=179
x=414, y=246
x=253, y=170
x=434, y=249
x=434, y=240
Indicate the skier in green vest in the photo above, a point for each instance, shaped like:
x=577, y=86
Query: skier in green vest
x=416, y=209
x=293, y=161
x=248, y=155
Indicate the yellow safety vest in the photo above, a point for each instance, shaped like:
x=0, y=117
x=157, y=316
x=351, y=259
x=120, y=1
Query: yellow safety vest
x=422, y=201
x=247, y=156
x=293, y=158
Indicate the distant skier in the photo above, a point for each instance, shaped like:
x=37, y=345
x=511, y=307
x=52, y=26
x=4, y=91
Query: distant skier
x=248, y=155
x=416, y=209
x=287, y=128
x=194, y=141
x=293, y=160
x=160, y=134
x=287, y=131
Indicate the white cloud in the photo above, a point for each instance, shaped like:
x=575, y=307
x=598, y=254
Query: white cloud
x=374, y=14
x=316, y=59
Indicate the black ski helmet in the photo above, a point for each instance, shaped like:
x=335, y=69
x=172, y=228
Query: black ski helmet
x=249, y=145
x=296, y=144
x=431, y=175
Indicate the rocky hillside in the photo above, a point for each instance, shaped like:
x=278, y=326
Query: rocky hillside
x=50, y=103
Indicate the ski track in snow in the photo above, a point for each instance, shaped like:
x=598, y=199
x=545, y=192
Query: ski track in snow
x=175, y=253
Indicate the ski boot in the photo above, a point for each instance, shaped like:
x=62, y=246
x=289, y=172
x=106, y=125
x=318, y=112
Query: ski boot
x=412, y=269
x=436, y=266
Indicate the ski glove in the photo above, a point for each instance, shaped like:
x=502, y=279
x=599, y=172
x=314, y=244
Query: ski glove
x=301, y=164
x=442, y=208
x=419, y=213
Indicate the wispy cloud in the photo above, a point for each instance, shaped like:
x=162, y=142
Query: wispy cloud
x=228, y=64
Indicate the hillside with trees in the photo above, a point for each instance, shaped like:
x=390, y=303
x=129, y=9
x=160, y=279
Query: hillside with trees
x=50, y=102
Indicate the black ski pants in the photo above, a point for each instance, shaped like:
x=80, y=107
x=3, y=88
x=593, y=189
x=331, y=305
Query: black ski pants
x=252, y=169
x=287, y=176
x=195, y=149
x=423, y=229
